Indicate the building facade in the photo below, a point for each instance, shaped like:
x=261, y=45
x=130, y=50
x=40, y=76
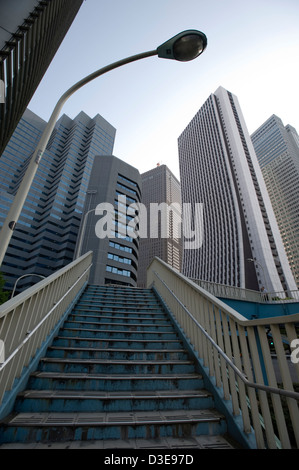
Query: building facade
x=241, y=244
x=277, y=150
x=108, y=226
x=160, y=188
x=45, y=236
x=30, y=34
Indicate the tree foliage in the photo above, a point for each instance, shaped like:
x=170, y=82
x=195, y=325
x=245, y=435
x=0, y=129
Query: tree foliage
x=3, y=294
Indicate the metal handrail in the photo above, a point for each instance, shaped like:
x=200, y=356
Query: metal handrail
x=28, y=320
x=31, y=333
x=266, y=388
x=239, y=293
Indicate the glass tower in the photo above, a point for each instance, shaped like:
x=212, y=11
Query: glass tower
x=45, y=235
x=277, y=150
x=219, y=169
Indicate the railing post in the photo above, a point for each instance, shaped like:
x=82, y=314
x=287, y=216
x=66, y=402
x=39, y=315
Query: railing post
x=261, y=357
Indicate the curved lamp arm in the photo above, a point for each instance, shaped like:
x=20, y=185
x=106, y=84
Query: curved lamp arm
x=185, y=46
x=19, y=199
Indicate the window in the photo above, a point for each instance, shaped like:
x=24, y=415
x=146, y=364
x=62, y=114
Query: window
x=120, y=259
x=121, y=272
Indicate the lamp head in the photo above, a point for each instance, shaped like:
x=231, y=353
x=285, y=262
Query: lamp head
x=184, y=46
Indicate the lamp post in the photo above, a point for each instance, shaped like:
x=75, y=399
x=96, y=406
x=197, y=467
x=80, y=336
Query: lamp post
x=183, y=47
x=82, y=233
x=21, y=277
x=261, y=266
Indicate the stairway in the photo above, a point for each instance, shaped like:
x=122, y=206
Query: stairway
x=116, y=376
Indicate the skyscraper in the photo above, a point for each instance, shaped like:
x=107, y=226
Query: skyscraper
x=160, y=188
x=219, y=169
x=108, y=226
x=30, y=34
x=277, y=150
x=45, y=236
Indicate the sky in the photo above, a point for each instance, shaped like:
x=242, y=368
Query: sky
x=253, y=51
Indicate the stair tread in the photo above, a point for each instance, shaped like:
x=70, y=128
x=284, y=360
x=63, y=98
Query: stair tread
x=129, y=313
x=74, y=375
x=82, y=338
x=74, y=394
x=118, y=317
x=117, y=324
x=131, y=325
x=115, y=361
x=122, y=331
x=117, y=350
x=194, y=442
x=109, y=418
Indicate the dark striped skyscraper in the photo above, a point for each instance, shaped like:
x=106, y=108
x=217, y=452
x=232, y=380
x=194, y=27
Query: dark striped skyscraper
x=109, y=228
x=241, y=244
x=46, y=233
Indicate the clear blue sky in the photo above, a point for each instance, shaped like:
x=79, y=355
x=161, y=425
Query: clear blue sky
x=253, y=51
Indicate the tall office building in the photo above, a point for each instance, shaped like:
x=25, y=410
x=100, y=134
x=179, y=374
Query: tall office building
x=45, y=236
x=31, y=31
x=109, y=227
x=277, y=150
x=219, y=169
x=160, y=188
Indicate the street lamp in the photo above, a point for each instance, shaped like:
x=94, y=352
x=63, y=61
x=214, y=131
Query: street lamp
x=261, y=266
x=183, y=47
x=21, y=277
x=82, y=233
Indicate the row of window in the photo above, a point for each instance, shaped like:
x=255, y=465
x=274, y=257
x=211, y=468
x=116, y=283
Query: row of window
x=121, y=272
x=117, y=246
x=120, y=259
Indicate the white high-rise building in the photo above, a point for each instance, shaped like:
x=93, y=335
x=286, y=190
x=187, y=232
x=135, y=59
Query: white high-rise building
x=219, y=168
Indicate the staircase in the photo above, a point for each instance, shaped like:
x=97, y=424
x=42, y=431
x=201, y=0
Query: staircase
x=116, y=376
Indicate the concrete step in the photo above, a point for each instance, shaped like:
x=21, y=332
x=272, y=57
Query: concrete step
x=152, y=445
x=125, y=313
x=117, y=354
x=91, y=342
x=57, y=401
x=120, y=300
x=117, y=333
x=102, y=366
x=142, y=327
x=62, y=427
x=117, y=382
x=121, y=308
x=137, y=319
x=120, y=303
